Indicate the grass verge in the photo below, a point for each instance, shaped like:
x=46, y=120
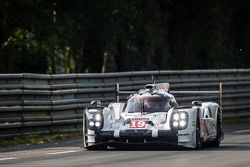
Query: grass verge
x=236, y=120
x=38, y=139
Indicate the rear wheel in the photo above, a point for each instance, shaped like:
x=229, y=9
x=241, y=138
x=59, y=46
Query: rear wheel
x=219, y=134
x=198, y=132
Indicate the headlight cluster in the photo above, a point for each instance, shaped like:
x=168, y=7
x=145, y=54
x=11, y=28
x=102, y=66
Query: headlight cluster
x=95, y=120
x=179, y=120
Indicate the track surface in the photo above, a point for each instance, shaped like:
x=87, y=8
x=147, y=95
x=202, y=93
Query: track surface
x=234, y=152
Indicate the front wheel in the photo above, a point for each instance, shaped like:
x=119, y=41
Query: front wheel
x=198, y=134
x=85, y=139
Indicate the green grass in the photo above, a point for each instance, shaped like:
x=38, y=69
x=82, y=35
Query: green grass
x=236, y=120
x=38, y=139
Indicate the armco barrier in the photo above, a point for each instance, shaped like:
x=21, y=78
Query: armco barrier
x=38, y=103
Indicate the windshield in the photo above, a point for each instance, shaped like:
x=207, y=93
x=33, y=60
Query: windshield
x=147, y=104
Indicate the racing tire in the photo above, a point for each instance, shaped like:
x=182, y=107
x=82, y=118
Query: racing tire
x=96, y=147
x=198, y=132
x=219, y=134
x=85, y=144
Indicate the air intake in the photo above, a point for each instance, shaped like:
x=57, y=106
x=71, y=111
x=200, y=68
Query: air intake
x=150, y=86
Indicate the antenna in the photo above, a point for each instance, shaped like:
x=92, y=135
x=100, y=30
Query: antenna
x=153, y=79
x=220, y=95
x=117, y=92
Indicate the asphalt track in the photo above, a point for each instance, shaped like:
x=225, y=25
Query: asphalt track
x=234, y=152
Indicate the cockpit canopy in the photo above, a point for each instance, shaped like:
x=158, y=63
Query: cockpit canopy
x=147, y=104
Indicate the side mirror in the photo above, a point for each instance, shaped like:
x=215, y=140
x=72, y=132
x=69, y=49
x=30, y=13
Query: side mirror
x=96, y=103
x=197, y=103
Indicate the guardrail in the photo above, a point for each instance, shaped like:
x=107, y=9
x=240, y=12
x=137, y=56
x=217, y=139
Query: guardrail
x=38, y=103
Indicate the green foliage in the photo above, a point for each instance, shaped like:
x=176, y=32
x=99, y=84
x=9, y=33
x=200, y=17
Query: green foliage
x=111, y=35
x=38, y=139
x=22, y=53
x=236, y=120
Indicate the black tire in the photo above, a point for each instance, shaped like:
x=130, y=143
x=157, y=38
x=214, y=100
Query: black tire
x=198, y=132
x=97, y=147
x=85, y=144
x=219, y=134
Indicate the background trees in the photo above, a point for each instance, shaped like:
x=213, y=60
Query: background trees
x=45, y=36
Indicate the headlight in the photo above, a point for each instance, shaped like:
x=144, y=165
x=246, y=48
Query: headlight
x=176, y=117
x=183, y=116
x=91, y=123
x=90, y=116
x=94, y=119
x=179, y=120
x=175, y=124
x=98, y=117
x=97, y=124
x=182, y=123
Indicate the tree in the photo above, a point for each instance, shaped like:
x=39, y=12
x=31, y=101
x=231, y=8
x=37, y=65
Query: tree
x=125, y=35
x=22, y=53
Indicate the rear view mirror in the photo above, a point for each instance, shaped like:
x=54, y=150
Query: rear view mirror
x=197, y=103
x=96, y=103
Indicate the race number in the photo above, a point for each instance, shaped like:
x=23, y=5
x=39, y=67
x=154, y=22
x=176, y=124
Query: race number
x=137, y=124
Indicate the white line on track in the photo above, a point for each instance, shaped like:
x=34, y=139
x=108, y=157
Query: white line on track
x=2, y=159
x=242, y=131
x=63, y=152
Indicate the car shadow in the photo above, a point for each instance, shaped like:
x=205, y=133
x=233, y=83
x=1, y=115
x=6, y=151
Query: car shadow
x=166, y=147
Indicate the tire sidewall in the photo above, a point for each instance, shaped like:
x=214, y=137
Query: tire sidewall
x=198, y=138
x=85, y=144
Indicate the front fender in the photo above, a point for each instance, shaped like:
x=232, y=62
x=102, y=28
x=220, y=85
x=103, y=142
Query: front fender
x=187, y=137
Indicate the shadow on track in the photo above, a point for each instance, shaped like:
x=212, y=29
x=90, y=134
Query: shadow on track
x=146, y=147
x=167, y=147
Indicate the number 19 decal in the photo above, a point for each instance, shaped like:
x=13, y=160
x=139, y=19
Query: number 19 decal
x=137, y=124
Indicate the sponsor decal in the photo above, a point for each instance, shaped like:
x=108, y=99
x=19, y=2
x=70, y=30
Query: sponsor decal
x=138, y=119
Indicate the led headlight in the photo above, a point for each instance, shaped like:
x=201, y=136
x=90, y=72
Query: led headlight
x=90, y=116
x=176, y=117
x=183, y=115
x=182, y=123
x=179, y=120
x=94, y=119
x=175, y=124
x=91, y=123
x=98, y=117
x=97, y=124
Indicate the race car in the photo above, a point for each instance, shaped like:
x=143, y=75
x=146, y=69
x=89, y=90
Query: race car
x=152, y=115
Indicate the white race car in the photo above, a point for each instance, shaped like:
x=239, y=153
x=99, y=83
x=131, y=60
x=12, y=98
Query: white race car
x=152, y=115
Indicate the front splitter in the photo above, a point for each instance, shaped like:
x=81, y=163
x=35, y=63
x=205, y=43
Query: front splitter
x=155, y=145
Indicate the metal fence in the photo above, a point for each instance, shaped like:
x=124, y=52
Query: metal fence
x=37, y=103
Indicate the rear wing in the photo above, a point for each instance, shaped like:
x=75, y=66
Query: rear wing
x=219, y=92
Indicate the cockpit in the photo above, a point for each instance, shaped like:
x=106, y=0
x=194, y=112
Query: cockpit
x=147, y=104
